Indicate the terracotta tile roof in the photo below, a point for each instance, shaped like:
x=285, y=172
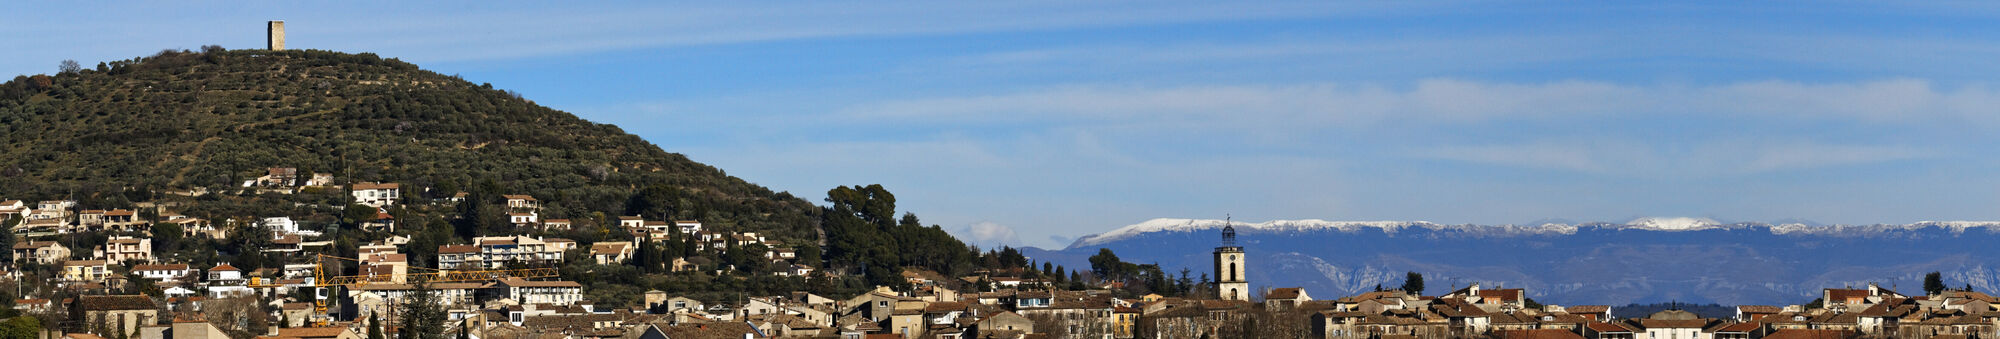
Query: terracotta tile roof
x=311, y=332
x=376, y=186
x=944, y=306
x=1811, y=334
x=444, y=249
x=118, y=212
x=1759, y=309
x=1587, y=309
x=1608, y=327
x=223, y=267
x=29, y=245
x=1839, y=295
x=518, y=282
x=116, y=302
x=518, y=196
x=1740, y=327
x=1506, y=294
x=1537, y=334
x=725, y=330
x=608, y=248
x=1283, y=293
x=1662, y=323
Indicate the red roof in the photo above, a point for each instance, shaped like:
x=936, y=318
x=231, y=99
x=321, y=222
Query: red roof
x=1587, y=309
x=1507, y=294
x=1284, y=293
x=1838, y=295
x=1811, y=334
x=1547, y=333
x=1740, y=327
x=1608, y=327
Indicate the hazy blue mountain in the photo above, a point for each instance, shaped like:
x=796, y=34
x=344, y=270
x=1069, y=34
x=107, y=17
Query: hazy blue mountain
x=1692, y=260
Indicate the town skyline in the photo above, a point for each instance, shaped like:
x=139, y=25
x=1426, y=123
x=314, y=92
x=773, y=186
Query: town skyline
x=1091, y=117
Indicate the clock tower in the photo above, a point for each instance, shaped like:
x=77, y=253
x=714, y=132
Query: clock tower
x=1229, y=282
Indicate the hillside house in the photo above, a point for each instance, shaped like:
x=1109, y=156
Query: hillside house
x=688, y=226
x=90, y=219
x=120, y=315
x=556, y=224
x=522, y=203
x=166, y=272
x=122, y=220
x=522, y=219
x=52, y=209
x=611, y=252
x=85, y=271
x=14, y=208
x=122, y=249
x=224, y=274
x=376, y=194
x=41, y=252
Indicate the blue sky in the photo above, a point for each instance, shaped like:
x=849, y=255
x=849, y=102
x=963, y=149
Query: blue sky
x=1032, y=123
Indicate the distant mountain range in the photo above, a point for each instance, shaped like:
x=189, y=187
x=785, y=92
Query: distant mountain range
x=1647, y=260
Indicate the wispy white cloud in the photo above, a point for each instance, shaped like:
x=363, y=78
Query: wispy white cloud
x=1697, y=159
x=1453, y=101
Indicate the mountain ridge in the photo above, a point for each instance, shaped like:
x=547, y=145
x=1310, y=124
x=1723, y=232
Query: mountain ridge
x=1590, y=263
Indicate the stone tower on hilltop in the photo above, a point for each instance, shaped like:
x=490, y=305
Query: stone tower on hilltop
x=274, y=35
x=1229, y=282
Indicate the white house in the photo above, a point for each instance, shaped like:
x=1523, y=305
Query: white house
x=377, y=194
x=631, y=222
x=283, y=225
x=688, y=226
x=163, y=272
x=522, y=219
x=541, y=292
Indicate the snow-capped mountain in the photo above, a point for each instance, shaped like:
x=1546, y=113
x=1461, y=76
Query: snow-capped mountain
x=1644, y=260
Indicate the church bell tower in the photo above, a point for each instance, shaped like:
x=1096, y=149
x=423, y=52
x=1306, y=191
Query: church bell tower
x=1229, y=282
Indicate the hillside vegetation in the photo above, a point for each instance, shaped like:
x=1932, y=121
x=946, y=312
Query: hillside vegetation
x=215, y=118
x=126, y=134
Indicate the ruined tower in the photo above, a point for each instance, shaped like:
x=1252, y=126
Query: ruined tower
x=275, y=35
x=1229, y=282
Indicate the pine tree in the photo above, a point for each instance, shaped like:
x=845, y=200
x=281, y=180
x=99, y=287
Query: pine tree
x=1933, y=283
x=1414, y=283
x=423, y=318
x=374, y=327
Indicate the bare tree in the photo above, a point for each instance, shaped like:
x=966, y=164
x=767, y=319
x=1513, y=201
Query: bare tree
x=70, y=67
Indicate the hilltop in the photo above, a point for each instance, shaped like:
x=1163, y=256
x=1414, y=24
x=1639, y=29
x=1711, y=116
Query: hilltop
x=181, y=120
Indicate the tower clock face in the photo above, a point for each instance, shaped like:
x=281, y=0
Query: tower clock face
x=1232, y=257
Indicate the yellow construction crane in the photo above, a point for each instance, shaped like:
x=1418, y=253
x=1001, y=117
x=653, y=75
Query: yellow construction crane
x=323, y=279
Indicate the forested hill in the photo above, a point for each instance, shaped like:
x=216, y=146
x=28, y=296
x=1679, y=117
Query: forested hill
x=215, y=118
